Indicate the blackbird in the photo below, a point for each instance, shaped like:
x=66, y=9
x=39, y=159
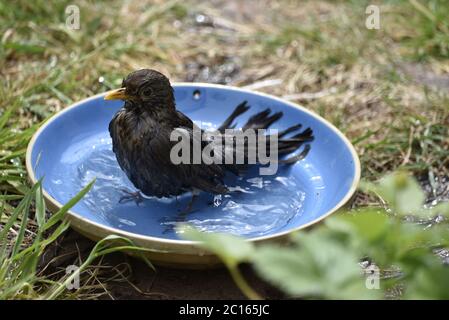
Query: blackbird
x=141, y=129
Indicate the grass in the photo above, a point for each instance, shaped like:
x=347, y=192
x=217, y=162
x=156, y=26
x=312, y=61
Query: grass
x=385, y=89
x=19, y=276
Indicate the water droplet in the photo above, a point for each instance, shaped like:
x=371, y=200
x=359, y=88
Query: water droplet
x=217, y=200
x=200, y=18
x=15, y=161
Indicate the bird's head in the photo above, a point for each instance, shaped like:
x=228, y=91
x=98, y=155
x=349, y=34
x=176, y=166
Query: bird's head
x=145, y=88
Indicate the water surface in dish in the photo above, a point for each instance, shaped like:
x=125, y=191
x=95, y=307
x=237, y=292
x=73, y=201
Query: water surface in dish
x=256, y=206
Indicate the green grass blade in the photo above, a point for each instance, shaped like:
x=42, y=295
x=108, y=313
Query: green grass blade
x=2, y=209
x=40, y=208
x=61, y=212
x=15, y=215
x=24, y=221
x=5, y=117
x=104, y=246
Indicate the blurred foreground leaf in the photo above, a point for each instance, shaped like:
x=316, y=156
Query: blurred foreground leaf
x=315, y=266
x=324, y=262
x=232, y=250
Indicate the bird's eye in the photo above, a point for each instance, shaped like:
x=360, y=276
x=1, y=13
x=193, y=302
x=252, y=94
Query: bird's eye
x=147, y=92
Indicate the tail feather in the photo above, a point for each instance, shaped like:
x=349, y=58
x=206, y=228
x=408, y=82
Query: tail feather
x=289, y=130
x=297, y=157
x=263, y=120
x=228, y=123
x=306, y=135
x=289, y=145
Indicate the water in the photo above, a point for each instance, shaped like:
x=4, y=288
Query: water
x=256, y=205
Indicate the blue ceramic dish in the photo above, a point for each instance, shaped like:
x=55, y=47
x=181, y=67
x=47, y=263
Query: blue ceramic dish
x=74, y=146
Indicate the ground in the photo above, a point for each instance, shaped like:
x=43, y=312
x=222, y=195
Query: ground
x=386, y=89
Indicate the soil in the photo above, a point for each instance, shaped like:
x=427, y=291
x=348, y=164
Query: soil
x=131, y=278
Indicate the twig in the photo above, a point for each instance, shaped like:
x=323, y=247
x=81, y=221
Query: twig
x=310, y=95
x=263, y=84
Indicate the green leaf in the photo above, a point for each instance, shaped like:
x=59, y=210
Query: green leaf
x=316, y=266
x=429, y=283
x=401, y=192
x=441, y=209
x=369, y=224
x=410, y=198
x=232, y=250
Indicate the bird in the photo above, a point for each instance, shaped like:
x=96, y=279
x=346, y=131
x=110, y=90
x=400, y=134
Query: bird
x=141, y=130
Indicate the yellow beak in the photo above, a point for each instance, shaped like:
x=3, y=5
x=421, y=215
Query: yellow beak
x=118, y=94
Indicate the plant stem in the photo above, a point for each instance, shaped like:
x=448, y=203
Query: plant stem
x=243, y=284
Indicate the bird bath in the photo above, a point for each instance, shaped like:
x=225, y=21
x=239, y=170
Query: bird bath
x=74, y=147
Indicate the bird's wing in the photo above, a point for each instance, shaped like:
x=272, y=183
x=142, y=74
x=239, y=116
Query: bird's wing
x=185, y=174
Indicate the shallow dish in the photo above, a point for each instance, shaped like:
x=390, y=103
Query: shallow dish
x=74, y=146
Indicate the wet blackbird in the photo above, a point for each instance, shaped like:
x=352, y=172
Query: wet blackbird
x=141, y=130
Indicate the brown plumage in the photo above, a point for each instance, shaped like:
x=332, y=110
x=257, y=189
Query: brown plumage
x=141, y=131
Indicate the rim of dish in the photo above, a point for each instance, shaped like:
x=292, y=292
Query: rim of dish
x=112, y=230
